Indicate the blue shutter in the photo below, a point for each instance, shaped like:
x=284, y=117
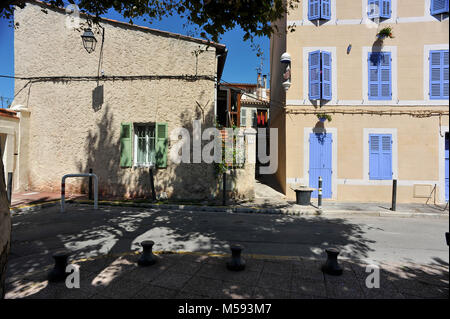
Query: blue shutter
x=373, y=62
x=314, y=9
x=380, y=156
x=314, y=75
x=445, y=74
x=385, y=76
x=439, y=6
x=435, y=75
x=385, y=9
x=373, y=9
x=325, y=7
x=326, y=76
x=386, y=157
x=439, y=81
x=374, y=157
x=380, y=76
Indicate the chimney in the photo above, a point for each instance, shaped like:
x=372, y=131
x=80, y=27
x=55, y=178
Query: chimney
x=258, y=86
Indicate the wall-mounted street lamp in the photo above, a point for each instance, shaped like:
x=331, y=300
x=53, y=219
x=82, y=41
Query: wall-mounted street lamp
x=89, y=40
x=286, y=69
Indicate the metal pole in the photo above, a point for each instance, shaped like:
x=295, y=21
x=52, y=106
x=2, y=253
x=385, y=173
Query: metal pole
x=224, y=198
x=152, y=184
x=394, y=195
x=63, y=188
x=63, y=193
x=90, y=185
x=9, y=187
x=320, y=192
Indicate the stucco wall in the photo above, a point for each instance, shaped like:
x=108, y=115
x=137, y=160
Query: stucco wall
x=70, y=133
x=420, y=140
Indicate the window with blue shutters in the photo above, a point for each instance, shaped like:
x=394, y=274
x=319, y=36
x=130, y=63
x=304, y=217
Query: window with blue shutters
x=439, y=75
x=439, y=6
x=380, y=76
x=379, y=9
x=320, y=79
x=319, y=9
x=380, y=156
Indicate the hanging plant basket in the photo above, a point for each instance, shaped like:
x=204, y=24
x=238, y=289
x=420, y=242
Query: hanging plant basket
x=385, y=33
x=324, y=117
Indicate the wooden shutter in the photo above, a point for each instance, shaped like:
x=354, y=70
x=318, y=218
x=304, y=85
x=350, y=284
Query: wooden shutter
x=126, y=145
x=439, y=81
x=385, y=76
x=314, y=75
x=326, y=76
x=325, y=9
x=385, y=9
x=161, y=145
x=314, y=9
x=380, y=156
x=439, y=6
x=373, y=9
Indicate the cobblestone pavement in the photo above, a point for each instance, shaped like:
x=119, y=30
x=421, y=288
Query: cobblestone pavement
x=200, y=276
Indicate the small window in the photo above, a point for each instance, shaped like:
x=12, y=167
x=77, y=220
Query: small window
x=380, y=76
x=144, y=143
x=319, y=9
x=379, y=9
x=243, y=117
x=320, y=75
x=439, y=6
x=439, y=82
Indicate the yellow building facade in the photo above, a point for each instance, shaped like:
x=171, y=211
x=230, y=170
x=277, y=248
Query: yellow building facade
x=387, y=99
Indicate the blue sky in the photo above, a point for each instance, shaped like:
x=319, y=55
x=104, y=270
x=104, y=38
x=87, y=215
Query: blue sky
x=240, y=66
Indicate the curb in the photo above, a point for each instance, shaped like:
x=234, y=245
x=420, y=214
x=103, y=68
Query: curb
x=244, y=210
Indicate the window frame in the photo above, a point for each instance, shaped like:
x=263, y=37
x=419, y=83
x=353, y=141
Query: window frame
x=442, y=80
x=148, y=138
x=379, y=82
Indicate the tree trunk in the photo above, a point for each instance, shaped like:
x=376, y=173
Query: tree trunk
x=5, y=230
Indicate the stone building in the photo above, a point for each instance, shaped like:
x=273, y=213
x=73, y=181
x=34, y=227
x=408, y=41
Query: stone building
x=387, y=98
x=112, y=110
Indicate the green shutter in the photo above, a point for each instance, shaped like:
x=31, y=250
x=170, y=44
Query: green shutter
x=126, y=146
x=161, y=145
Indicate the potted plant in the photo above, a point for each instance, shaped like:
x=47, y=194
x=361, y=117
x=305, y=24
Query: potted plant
x=324, y=117
x=385, y=33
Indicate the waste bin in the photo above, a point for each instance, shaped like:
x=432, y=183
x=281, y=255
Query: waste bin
x=303, y=196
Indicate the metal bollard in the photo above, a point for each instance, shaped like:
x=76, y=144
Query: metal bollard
x=319, y=197
x=394, y=195
x=236, y=263
x=147, y=258
x=58, y=273
x=9, y=187
x=331, y=266
x=90, y=185
x=224, y=196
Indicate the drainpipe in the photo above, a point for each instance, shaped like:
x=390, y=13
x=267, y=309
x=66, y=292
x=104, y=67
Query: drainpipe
x=216, y=85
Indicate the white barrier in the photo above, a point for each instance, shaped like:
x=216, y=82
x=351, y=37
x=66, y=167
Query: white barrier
x=63, y=188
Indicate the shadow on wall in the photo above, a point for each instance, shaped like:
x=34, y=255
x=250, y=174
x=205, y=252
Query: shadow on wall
x=179, y=181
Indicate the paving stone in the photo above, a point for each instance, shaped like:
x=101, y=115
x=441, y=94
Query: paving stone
x=187, y=295
x=220, y=272
x=415, y=288
x=308, y=287
x=203, y=286
x=267, y=293
x=171, y=280
x=121, y=289
x=155, y=292
x=275, y=281
x=148, y=274
x=183, y=267
x=339, y=287
x=233, y=291
x=285, y=267
x=309, y=269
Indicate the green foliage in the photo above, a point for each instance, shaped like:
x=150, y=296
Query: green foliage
x=209, y=18
x=324, y=116
x=385, y=33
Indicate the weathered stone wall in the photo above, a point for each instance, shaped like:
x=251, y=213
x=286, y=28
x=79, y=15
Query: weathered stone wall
x=70, y=131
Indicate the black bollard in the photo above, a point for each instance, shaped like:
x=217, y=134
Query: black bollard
x=9, y=187
x=58, y=273
x=147, y=258
x=447, y=238
x=394, y=195
x=331, y=266
x=236, y=263
x=90, y=186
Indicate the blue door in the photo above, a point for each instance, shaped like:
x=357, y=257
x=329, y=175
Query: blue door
x=446, y=165
x=320, y=162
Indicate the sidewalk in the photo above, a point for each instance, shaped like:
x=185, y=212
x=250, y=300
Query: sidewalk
x=200, y=276
x=276, y=205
